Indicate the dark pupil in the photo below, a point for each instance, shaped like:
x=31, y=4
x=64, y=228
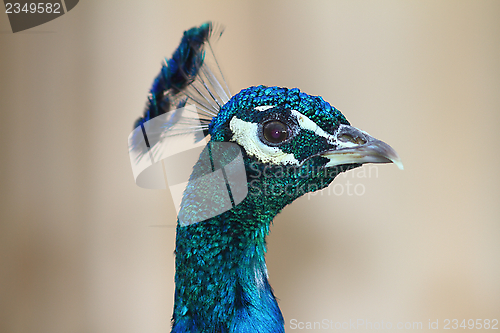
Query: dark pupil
x=275, y=131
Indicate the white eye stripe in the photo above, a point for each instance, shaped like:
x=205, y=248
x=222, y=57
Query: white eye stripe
x=246, y=135
x=306, y=123
x=264, y=107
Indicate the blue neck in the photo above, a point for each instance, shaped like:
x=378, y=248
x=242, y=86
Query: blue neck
x=221, y=277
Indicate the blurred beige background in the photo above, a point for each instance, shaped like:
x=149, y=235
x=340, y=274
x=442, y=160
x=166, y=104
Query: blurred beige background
x=80, y=246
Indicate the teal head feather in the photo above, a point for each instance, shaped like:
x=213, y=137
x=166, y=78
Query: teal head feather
x=291, y=143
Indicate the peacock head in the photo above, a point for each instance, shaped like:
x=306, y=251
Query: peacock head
x=288, y=142
x=293, y=143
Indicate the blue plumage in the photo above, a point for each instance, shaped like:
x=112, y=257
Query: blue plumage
x=291, y=143
x=176, y=73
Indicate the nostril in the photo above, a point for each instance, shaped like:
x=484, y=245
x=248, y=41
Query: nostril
x=360, y=140
x=346, y=138
x=349, y=138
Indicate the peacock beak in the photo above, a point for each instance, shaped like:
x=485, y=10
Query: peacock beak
x=356, y=146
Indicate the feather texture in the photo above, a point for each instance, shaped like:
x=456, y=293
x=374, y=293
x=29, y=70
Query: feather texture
x=186, y=77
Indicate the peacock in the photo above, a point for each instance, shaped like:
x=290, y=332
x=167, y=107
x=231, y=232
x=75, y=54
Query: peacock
x=259, y=151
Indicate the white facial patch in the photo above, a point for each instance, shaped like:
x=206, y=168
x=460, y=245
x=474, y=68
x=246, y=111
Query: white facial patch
x=306, y=123
x=246, y=135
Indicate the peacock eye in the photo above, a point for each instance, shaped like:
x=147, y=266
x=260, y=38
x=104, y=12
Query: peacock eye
x=275, y=131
